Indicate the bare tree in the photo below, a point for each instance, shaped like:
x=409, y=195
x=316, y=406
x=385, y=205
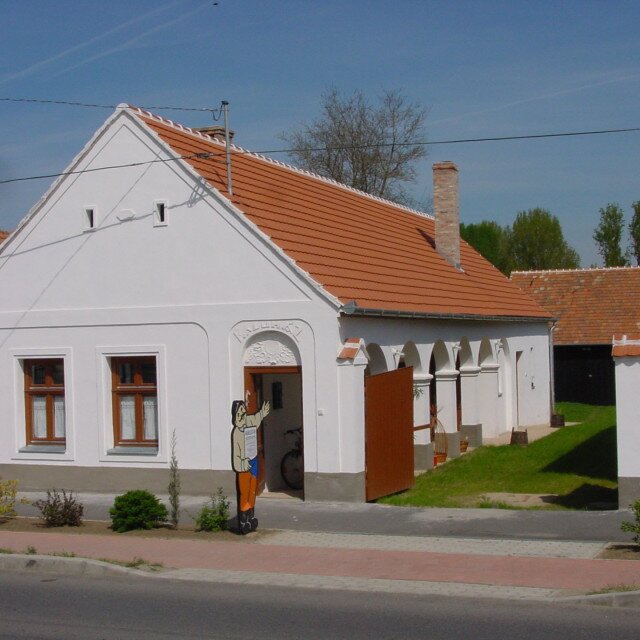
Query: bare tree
x=370, y=147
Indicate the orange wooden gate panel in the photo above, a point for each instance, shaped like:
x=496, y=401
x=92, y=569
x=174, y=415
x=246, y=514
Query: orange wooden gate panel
x=389, y=432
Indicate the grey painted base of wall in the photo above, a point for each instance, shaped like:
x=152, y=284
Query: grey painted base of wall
x=473, y=433
x=339, y=487
x=423, y=457
x=336, y=487
x=453, y=445
x=115, y=479
x=628, y=491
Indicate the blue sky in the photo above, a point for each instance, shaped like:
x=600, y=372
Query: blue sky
x=482, y=69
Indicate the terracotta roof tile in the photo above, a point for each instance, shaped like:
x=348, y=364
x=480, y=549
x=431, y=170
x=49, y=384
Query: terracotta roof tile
x=591, y=304
x=4, y=235
x=625, y=345
x=355, y=246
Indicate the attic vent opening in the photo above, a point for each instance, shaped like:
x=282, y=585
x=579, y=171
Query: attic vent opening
x=89, y=218
x=160, y=217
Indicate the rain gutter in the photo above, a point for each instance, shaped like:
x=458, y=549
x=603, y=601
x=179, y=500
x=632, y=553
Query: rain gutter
x=352, y=309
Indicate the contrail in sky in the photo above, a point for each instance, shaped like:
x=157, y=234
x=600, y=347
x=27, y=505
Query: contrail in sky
x=543, y=96
x=43, y=63
x=128, y=44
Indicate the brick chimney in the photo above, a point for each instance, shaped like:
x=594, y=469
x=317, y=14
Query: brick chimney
x=215, y=131
x=447, y=211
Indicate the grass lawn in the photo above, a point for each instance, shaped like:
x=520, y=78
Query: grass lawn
x=576, y=463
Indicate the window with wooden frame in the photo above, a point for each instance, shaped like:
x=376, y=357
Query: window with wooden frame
x=135, y=401
x=44, y=401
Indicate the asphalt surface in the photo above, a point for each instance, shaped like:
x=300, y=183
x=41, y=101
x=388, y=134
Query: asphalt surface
x=72, y=608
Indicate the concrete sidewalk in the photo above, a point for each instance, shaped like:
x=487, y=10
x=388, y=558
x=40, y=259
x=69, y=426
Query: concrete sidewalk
x=495, y=553
x=546, y=570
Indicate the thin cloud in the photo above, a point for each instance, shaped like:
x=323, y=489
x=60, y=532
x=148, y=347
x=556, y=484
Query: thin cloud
x=63, y=54
x=543, y=96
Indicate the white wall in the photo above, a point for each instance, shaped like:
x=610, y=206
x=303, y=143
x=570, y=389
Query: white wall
x=628, y=417
x=193, y=292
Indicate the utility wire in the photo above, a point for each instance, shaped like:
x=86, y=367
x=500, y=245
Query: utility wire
x=113, y=106
x=205, y=155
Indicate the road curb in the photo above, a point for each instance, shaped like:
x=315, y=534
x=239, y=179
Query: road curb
x=617, y=599
x=66, y=566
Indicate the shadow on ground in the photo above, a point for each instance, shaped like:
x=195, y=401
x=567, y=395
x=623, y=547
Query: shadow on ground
x=594, y=458
x=591, y=497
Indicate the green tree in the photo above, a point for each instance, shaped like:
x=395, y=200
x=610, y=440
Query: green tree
x=536, y=242
x=370, y=147
x=490, y=240
x=608, y=235
x=634, y=231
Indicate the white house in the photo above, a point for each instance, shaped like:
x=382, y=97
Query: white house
x=626, y=355
x=142, y=295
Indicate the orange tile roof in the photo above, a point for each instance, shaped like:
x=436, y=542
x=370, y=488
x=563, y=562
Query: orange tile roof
x=626, y=346
x=355, y=246
x=3, y=235
x=591, y=304
x=350, y=349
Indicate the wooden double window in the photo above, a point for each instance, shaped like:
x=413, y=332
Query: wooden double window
x=135, y=401
x=44, y=401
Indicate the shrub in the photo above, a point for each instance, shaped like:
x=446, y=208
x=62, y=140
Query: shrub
x=138, y=509
x=60, y=509
x=174, y=484
x=8, y=489
x=214, y=514
x=633, y=527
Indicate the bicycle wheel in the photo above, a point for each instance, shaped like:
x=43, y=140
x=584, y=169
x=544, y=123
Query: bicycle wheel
x=292, y=471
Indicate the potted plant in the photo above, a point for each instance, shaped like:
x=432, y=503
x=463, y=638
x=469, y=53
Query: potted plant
x=464, y=444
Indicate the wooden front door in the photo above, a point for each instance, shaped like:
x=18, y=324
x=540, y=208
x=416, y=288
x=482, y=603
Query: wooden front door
x=389, y=432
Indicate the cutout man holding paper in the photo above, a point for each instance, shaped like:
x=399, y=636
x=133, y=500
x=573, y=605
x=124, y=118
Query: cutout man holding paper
x=244, y=445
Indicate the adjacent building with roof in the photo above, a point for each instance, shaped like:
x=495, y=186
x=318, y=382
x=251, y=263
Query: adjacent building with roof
x=140, y=300
x=590, y=305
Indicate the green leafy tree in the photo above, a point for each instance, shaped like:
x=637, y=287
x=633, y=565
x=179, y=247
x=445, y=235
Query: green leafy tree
x=634, y=231
x=490, y=240
x=371, y=147
x=536, y=242
x=608, y=235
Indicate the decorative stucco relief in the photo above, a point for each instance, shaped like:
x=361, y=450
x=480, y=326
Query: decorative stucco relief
x=290, y=328
x=269, y=352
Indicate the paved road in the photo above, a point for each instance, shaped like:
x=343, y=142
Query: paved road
x=79, y=608
x=297, y=515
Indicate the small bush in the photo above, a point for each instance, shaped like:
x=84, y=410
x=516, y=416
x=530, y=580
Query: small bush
x=60, y=509
x=174, y=484
x=8, y=489
x=214, y=515
x=633, y=527
x=138, y=509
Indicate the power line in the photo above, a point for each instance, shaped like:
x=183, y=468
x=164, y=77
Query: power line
x=206, y=155
x=69, y=103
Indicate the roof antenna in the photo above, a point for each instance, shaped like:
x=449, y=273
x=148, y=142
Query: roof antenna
x=225, y=110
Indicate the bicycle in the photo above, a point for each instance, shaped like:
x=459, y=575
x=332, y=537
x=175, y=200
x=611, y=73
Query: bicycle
x=292, y=464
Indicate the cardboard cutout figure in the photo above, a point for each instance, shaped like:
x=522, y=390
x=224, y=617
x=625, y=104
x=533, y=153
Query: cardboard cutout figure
x=244, y=456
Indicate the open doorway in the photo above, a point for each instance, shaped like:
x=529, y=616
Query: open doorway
x=282, y=388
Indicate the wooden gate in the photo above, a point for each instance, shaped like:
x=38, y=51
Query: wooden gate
x=389, y=432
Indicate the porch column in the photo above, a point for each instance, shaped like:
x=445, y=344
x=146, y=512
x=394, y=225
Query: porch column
x=488, y=408
x=447, y=409
x=471, y=424
x=422, y=447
